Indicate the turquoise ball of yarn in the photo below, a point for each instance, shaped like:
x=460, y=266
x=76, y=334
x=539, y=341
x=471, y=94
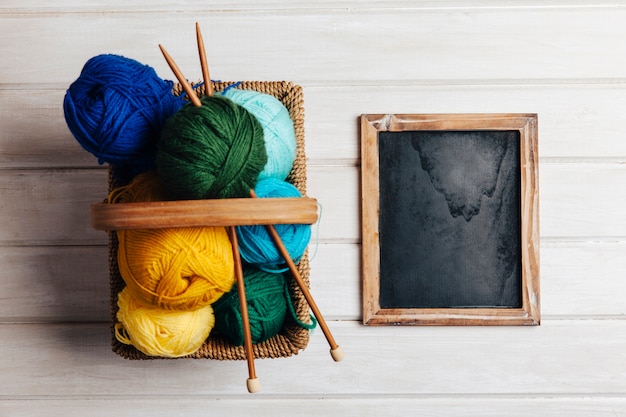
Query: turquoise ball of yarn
x=278, y=130
x=212, y=151
x=117, y=108
x=256, y=245
x=266, y=296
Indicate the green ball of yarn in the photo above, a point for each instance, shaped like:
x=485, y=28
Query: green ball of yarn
x=266, y=296
x=213, y=151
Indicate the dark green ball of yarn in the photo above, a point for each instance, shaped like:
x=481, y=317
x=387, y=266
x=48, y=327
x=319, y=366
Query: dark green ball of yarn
x=266, y=296
x=213, y=151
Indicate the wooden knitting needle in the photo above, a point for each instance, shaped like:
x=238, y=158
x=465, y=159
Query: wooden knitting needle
x=181, y=78
x=253, y=382
x=335, y=351
x=208, y=87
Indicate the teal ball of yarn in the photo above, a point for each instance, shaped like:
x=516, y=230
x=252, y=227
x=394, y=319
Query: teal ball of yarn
x=117, y=108
x=256, y=245
x=278, y=130
x=266, y=296
x=212, y=151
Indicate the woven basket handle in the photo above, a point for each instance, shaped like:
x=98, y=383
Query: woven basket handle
x=196, y=213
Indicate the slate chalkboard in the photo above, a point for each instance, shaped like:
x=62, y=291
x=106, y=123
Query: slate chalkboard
x=450, y=219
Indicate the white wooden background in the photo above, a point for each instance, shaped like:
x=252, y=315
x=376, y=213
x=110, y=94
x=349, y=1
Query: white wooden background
x=562, y=59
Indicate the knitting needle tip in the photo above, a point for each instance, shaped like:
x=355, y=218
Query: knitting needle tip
x=253, y=385
x=337, y=354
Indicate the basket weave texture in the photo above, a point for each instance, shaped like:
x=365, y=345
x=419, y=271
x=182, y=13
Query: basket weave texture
x=292, y=338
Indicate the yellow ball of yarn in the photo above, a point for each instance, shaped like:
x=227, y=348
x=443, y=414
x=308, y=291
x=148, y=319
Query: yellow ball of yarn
x=183, y=268
x=145, y=187
x=174, y=268
x=158, y=332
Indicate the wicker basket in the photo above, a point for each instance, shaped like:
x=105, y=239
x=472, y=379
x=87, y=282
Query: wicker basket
x=292, y=338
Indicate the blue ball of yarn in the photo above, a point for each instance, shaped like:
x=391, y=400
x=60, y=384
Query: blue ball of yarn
x=256, y=246
x=278, y=130
x=116, y=109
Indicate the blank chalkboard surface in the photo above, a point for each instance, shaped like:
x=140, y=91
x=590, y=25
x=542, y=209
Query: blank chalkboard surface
x=450, y=219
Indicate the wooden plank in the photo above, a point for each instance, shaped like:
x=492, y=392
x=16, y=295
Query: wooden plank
x=590, y=273
x=336, y=280
x=339, y=204
x=575, y=120
x=34, y=132
x=328, y=406
x=576, y=200
x=50, y=207
x=76, y=6
x=558, y=358
x=45, y=284
x=578, y=279
x=582, y=199
x=43, y=207
x=65, y=283
x=373, y=44
x=54, y=284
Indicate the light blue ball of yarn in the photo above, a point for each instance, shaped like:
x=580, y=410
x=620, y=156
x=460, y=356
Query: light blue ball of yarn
x=278, y=130
x=117, y=108
x=255, y=244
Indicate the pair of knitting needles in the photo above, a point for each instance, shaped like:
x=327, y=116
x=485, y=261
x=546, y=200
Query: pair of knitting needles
x=335, y=351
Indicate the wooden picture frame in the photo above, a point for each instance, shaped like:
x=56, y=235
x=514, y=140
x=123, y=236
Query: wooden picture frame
x=425, y=169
